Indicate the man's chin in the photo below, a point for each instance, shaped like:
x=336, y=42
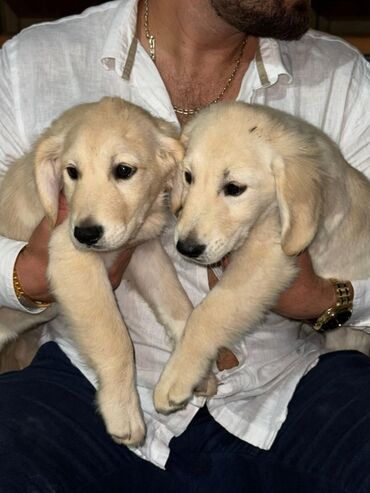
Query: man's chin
x=271, y=21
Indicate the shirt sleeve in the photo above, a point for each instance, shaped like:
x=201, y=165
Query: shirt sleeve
x=355, y=145
x=361, y=305
x=9, y=251
x=11, y=147
x=12, y=137
x=355, y=135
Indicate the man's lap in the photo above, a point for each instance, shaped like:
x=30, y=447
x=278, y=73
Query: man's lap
x=53, y=440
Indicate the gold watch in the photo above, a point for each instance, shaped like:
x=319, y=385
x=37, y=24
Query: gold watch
x=340, y=313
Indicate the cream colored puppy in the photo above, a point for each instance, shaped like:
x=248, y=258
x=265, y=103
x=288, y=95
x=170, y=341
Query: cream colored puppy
x=261, y=186
x=113, y=161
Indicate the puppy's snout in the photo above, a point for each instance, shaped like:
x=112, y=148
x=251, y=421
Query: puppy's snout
x=88, y=235
x=189, y=248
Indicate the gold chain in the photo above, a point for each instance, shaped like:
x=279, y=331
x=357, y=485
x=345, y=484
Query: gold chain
x=149, y=37
x=152, y=52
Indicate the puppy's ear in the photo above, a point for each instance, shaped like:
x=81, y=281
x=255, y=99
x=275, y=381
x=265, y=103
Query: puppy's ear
x=299, y=196
x=187, y=130
x=48, y=173
x=176, y=191
x=170, y=150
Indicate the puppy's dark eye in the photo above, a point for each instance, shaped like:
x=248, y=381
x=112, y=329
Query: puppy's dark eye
x=72, y=172
x=188, y=177
x=124, y=171
x=234, y=189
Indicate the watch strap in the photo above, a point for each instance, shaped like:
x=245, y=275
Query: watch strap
x=340, y=313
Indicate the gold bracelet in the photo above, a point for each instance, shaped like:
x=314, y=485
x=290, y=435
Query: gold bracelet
x=25, y=300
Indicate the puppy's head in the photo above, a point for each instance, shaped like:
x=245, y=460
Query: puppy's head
x=237, y=167
x=112, y=160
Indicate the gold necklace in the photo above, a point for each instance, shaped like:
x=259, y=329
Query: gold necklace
x=152, y=52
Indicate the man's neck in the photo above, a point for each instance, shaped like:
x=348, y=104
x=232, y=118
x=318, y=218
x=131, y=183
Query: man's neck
x=188, y=30
x=195, y=49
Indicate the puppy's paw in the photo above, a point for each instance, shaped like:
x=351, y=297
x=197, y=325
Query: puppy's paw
x=207, y=387
x=130, y=433
x=171, y=395
x=123, y=419
x=177, y=386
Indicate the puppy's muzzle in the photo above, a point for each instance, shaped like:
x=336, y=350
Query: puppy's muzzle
x=190, y=248
x=88, y=235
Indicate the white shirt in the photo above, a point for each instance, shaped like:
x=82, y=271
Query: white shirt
x=52, y=66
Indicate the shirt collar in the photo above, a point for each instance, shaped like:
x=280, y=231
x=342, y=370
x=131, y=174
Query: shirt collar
x=120, y=47
x=271, y=63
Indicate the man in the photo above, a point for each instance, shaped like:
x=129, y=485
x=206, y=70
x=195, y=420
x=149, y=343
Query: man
x=190, y=53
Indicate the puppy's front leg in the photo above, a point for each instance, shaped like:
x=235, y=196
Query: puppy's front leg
x=154, y=276
x=235, y=305
x=80, y=284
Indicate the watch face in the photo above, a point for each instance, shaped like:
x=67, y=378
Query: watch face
x=343, y=317
x=336, y=321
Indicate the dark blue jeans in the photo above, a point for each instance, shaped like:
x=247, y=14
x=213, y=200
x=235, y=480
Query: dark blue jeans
x=53, y=441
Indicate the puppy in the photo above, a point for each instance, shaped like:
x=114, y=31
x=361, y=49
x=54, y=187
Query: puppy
x=113, y=162
x=262, y=186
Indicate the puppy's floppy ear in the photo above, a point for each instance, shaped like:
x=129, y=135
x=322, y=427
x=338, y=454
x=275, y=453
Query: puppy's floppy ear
x=176, y=191
x=187, y=130
x=177, y=184
x=48, y=173
x=170, y=150
x=299, y=196
x=177, y=188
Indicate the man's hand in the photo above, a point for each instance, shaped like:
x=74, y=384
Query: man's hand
x=32, y=261
x=309, y=295
x=306, y=299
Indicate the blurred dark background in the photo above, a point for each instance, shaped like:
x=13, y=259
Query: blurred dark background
x=347, y=18
x=18, y=14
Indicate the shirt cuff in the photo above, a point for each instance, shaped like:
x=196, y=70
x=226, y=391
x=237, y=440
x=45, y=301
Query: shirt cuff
x=361, y=304
x=9, y=252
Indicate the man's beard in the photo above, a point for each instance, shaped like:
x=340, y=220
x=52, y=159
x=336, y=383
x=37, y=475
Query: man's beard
x=265, y=18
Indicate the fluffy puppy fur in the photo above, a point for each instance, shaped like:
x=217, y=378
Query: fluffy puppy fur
x=262, y=186
x=113, y=161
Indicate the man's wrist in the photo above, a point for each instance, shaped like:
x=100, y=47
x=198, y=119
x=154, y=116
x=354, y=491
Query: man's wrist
x=326, y=297
x=25, y=299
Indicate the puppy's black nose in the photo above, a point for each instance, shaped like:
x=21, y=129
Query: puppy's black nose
x=190, y=248
x=88, y=235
